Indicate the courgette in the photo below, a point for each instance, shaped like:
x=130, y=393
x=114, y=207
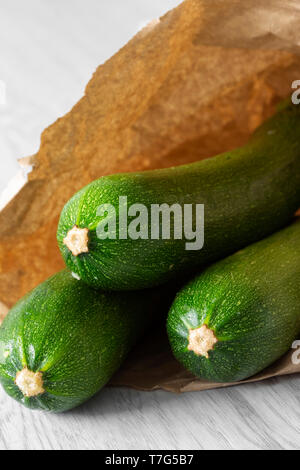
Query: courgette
x=62, y=342
x=247, y=194
x=242, y=313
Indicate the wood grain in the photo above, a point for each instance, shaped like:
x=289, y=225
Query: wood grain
x=254, y=416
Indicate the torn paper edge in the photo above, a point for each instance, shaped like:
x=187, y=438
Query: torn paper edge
x=17, y=182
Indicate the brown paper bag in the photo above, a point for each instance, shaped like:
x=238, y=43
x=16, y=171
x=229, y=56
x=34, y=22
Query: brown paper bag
x=188, y=86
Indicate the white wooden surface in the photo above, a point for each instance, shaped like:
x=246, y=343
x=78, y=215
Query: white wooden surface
x=48, y=51
x=256, y=416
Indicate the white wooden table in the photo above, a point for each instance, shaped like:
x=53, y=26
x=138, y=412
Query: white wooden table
x=43, y=80
x=256, y=416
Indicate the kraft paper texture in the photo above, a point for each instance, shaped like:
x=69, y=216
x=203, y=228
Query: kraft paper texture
x=191, y=84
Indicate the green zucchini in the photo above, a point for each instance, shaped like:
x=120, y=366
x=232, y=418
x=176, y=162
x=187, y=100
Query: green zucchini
x=242, y=313
x=62, y=342
x=247, y=194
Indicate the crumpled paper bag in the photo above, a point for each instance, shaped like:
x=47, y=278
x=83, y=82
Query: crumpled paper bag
x=192, y=84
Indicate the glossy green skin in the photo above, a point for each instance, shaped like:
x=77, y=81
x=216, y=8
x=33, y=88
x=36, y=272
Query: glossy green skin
x=248, y=194
x=250, y=300
x=76, y=336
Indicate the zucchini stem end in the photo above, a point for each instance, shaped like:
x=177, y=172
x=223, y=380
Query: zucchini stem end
x=77, y=240
x=201, y=340
x=30, y=383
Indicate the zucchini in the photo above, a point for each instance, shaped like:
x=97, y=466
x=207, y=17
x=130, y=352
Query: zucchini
x=241, y=314
x=63, y=341
x=247, y=193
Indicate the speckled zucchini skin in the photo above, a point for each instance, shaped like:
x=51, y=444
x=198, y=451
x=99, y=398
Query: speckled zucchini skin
x=248, y=194
x=250, y=300
x=76, y=336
